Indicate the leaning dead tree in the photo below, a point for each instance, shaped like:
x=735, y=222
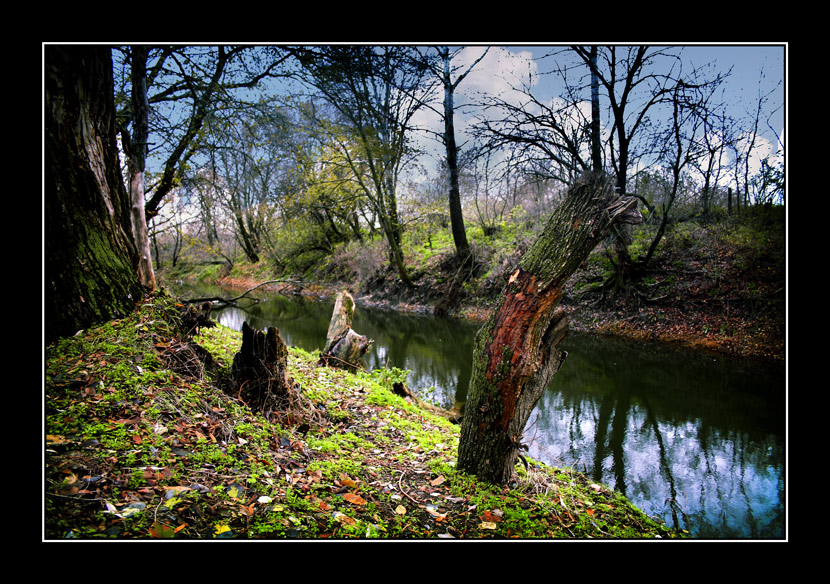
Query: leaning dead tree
x=260, y=370
x=516, y=351
x=344, y=347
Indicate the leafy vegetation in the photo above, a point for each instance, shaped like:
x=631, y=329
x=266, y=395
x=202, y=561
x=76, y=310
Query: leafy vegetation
x=143, y=442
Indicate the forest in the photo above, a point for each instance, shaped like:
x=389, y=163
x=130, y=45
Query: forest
x=631, y=196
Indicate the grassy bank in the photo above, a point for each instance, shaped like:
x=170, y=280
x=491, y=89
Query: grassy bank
x=142, y=441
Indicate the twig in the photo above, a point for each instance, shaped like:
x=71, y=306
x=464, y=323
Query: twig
x=403, y=472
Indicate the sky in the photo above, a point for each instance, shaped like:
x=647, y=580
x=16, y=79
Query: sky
x=755, y=69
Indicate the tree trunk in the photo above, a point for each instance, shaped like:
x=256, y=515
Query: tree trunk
x=459, y=233
x=90, y=256
x=344, y=347
x=137, y=156
x=596, y=147
x=260, y=369
x=516, y=352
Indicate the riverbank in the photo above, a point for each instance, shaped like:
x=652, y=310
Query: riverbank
x=732, y=326
x=144, y=441
x=716, y=286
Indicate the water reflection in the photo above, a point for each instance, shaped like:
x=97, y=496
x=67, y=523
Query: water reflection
x=695, y=440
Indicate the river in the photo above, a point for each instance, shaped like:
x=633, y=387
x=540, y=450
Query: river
x=697, y=440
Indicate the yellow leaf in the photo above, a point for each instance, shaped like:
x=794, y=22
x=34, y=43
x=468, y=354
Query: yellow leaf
x=400, y=510
x=221, y=531
x=487, y=525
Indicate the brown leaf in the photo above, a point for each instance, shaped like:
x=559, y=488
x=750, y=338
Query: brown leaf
x=354, y=499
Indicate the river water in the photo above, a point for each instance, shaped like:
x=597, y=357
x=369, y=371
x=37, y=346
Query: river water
x=697, y=440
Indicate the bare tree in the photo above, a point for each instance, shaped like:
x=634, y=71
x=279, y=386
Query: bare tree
x=135, y=149
x=186, y=84
x=450, y=78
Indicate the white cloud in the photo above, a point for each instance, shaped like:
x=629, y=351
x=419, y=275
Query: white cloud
x=499, y=74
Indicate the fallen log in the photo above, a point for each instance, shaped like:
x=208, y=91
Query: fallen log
x=344, y=347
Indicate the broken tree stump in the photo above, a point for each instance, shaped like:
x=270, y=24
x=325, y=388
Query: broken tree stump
x=260, y=369
x=194, y=318
x=344, y=347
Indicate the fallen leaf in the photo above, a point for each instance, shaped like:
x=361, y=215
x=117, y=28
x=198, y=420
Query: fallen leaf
x=437, y=481
x=487, y=525
x=222, y=531
x=126, y=510
x=160, y=530
x=490, y=517
x=343, y=518
x=354, y=499
x=400, y=510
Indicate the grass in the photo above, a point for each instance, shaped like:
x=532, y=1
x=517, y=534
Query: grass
x=143, y=444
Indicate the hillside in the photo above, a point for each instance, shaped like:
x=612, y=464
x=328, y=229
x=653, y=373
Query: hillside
x=143, y=442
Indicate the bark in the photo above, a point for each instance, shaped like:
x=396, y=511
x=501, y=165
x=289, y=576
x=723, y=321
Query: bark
x=516, y=351
x=596, y=148
x=90, y=257
x=344, y=347
x=260, y=369
x=137, y=162
x=459, y=233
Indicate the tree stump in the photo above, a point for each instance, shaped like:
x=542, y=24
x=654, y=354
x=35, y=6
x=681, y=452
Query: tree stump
x=344, y=347
x=194, y=318
x=260, y=369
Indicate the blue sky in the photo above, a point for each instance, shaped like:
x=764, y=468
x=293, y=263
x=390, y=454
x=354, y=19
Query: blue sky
x=506, y=66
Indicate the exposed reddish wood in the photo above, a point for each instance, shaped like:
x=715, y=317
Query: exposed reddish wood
x=514, y=353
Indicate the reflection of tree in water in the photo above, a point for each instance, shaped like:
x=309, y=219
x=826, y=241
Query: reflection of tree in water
x=665, y=466
x=437, y=351
x=635, y=419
